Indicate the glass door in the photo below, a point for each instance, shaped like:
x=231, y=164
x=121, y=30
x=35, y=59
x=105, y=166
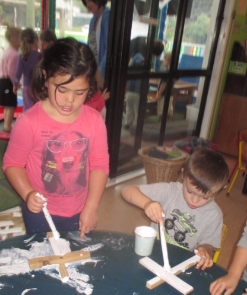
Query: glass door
x=162, y=98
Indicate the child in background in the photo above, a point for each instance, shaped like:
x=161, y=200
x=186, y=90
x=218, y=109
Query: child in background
x=160, y=97
x=65, y=155
x=47, y=38
x=237, y=270
x=8, y=99
x=29, y=57
x=192, y=219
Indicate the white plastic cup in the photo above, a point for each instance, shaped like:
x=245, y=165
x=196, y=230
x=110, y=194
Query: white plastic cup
x=144, y=240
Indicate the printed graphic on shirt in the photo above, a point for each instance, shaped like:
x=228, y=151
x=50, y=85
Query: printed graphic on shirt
x=178, y=227
x=64, y=159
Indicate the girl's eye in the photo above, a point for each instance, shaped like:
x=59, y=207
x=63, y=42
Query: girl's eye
x=61, y=89
x=80, y=93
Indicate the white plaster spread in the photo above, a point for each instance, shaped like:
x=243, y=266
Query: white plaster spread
x=30, y=239
x=93, y=247
x=14, y=261
x=27, y=290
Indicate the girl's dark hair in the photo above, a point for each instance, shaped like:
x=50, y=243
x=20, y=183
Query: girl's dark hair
x=100, y=3
x=65, y=57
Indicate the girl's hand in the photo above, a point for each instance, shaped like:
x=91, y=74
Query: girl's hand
x=105, y=94
x=153, y=210
x=206, y=259
x=228, y=283
x=15, y=88
x=34, y=204
x=88, y=221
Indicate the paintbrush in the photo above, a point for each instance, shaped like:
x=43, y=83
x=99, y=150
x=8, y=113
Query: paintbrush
x=164, y=247
x=59, y=246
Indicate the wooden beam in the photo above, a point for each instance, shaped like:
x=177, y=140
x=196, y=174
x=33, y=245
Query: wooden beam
x=156, y=281
x=38, y=262
x=168, y=277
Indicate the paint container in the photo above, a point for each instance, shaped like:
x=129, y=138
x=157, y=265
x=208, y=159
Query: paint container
x=144, y=240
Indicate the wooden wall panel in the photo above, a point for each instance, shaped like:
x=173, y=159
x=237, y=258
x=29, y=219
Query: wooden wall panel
x=232, y=118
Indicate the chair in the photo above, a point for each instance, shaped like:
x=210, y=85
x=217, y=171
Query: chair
x=186, y=96
x=242, y=156
x=223, y=235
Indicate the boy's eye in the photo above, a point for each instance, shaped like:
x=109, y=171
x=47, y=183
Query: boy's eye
x=189, y=191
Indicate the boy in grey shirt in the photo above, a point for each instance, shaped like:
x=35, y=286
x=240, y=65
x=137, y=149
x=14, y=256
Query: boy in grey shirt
x=192, y=219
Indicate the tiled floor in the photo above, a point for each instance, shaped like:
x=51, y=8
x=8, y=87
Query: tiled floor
x=117, y=215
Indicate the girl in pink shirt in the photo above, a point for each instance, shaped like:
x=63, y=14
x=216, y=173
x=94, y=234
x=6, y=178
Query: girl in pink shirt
x=64, y=155
x=8, y=99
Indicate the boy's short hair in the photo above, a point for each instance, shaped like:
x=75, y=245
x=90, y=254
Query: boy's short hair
x=100, y=3
x=207, y=171
x=48, y=35
x=158, y=47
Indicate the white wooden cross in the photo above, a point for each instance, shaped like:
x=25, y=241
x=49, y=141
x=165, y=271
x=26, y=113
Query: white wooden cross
x=166, y=273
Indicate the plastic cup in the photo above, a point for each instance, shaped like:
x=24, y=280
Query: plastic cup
x=144, y=240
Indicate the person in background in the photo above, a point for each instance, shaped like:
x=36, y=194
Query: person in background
x=98, y=31
x=64, y=155
x=165, y=66
x=134, y=86
x=28, y=58
x=192, y=218
x=8, y=98
x=237, y=270
x=47, y=38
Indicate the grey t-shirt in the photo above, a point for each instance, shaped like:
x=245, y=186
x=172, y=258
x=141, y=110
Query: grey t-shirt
x=184, y=226
x=243, y=243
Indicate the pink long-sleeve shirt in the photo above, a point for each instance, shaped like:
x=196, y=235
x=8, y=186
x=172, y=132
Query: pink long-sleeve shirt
x=58, y=157
x=9, y=63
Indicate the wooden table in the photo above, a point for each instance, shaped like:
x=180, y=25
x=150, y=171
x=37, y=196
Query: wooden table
x=181, y=91
x=114, y=268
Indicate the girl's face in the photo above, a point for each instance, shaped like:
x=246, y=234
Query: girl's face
x=92, y=7
x=67, y=100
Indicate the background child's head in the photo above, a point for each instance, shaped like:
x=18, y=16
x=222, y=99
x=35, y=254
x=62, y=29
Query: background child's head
x=158, y=47
x=29, y=42
x=67, y=56
x=47, y=38
x=100, y=3
x=12, y=35
x=207, y=171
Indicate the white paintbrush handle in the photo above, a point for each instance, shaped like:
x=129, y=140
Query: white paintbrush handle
x=48, y=218
x=167, y=266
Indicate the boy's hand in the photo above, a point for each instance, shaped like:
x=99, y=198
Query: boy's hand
x=228, y=283
x=34, y=203
x=153, y=210
x=205, y=252
x=88, y=221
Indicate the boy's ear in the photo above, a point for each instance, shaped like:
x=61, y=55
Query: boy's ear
x=182, y=173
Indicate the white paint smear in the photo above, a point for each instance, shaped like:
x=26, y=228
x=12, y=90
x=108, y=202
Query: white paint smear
x=27, y=290
x=14, y=261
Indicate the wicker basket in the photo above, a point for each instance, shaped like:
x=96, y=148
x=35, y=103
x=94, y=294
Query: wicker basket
x=159, y=170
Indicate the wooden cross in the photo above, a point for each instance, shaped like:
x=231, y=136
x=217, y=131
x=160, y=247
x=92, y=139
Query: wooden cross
x=38, y=262
x=167, y=274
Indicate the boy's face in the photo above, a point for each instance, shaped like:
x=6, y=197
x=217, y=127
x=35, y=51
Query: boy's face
x=193, y=197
